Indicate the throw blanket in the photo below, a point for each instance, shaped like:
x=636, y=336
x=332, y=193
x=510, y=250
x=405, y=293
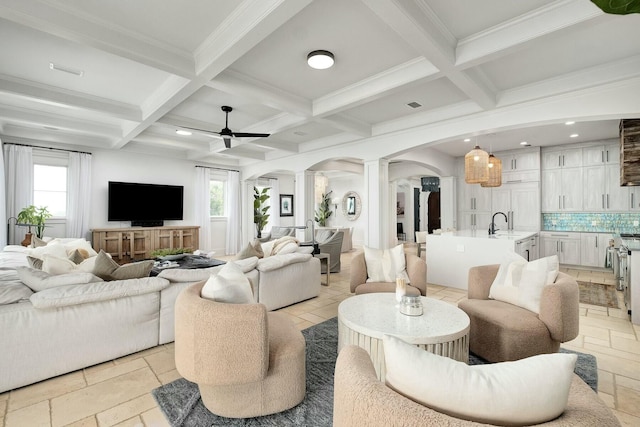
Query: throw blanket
x=282, y=242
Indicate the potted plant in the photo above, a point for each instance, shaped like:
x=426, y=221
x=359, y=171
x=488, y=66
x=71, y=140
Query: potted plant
x=260, y=209
x=324, y=210
x=36, y=217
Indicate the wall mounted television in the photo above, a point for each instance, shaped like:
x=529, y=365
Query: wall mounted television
x=145, y=205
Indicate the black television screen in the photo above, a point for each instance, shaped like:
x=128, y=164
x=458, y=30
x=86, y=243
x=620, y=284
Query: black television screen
x=144, y=203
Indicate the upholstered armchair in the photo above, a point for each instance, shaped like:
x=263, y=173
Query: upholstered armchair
x=360, y=399
x=246, y=361
x=277, y=232
x=421, y=241
x=416, y=270
x=330, y=242
x=501, y=331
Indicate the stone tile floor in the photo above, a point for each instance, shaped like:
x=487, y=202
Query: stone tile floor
x=118, y=393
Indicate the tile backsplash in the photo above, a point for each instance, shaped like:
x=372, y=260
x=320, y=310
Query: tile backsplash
x=592, y=222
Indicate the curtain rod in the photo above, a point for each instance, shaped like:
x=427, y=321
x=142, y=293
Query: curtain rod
x=46, y=148
x=219, y=169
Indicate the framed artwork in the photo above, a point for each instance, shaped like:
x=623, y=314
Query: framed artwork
x=286, y=205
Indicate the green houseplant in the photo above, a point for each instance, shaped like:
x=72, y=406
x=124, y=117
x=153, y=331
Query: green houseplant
x=324, y=210
x=260, y=209
x=34, y=216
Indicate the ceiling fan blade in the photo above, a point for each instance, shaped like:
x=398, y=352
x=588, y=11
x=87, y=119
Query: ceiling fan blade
x=250, y=135
x=227, y=141
x=200, y=130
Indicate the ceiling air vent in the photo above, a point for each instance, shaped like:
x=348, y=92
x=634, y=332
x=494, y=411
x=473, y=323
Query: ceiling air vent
x=630, y=152
x=414, y=104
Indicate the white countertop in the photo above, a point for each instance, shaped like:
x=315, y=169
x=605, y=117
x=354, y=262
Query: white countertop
x=484, y=234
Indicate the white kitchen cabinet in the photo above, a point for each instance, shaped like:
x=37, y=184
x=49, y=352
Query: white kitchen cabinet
x=520, y=202
x=601, y=154
x=558, y=159
x=474, y=204
x=565, y=245
x=520, y=166
x=593, y=249
x=474, y=221
x=562, y=190
x=634, y=198
x=602, y=190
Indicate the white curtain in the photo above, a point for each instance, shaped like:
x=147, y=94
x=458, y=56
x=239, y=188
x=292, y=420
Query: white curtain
x=274, y=197
x=3, y=200
x=79, y=195
x=234, y=217
x=18, y=172
x=203, y=207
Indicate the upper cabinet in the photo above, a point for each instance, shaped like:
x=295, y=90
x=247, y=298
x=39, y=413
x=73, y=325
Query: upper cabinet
x=601, y=155
x=520, y=165
x=557, y=159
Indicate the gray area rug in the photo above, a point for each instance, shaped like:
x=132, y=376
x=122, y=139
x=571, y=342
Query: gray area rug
x=181, y=404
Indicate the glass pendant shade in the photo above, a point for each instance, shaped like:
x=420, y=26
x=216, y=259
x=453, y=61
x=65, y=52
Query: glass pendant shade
x=495, y=172
x=476, y=166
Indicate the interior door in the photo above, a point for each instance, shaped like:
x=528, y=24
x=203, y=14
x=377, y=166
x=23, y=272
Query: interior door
x=433, y=202
x=416, y=210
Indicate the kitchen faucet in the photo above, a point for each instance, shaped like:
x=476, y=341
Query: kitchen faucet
x=492, y=226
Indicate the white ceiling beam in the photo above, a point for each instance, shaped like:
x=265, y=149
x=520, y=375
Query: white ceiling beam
x=374, y=87
x=58, y=137
x=249, y=24
x=67, y=99
x=275, y=124
x=232, y=82
x=68, y=23
x=347, y=124
x=62, y=122
x=506, y=37
x=419, y=26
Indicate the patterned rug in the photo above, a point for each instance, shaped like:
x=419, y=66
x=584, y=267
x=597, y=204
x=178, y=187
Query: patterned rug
x=181, y=404
x=598, y=294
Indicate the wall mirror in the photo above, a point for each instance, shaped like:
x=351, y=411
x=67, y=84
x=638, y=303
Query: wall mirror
x=351, y=205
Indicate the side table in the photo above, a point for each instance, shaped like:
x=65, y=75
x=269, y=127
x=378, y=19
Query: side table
x=326, y=260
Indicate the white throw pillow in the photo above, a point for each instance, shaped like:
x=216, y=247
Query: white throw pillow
x=524, y=392
x=56, y=265
x=230, y=285
x=38, y=280
x=520, y=283
x=385, y=265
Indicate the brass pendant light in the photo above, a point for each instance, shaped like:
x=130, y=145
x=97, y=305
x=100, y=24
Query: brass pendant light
x=495, y=172
x=476, y=166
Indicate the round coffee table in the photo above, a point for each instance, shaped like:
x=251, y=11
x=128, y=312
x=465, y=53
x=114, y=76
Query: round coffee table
x=364, y=319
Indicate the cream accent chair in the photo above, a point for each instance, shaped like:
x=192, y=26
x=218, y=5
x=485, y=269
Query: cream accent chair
x=421, y=241
x=330, y=242
x=361, y=400
x=501, y=331
x=416, y=270
x=246, y=361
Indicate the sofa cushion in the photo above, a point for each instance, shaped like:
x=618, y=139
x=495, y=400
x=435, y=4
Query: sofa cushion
x=200, y=274
x=107, y=269
x=276, y=262
x=39, y=280
x=528, y=391
x=520, y=283
x=253, y=249
x=64, y=296
x=385, y=265
x=230, y=286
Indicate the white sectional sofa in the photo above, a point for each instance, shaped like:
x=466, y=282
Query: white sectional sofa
x=65, y=328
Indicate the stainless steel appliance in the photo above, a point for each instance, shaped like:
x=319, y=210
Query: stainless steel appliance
x=628, y=241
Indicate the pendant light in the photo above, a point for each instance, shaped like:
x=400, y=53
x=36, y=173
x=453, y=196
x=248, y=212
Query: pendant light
x=476, y=166
x=495, y=172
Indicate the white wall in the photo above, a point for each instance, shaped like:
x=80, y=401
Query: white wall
x=340, y=186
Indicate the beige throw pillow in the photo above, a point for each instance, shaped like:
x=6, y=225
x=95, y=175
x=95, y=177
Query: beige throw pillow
x=253, y=249
x=524, y=392
x=520, y=283
x=107, y=269
x=385, y=265
x=230, y=285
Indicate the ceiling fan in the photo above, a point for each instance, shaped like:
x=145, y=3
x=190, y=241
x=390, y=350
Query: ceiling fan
x=227, y=133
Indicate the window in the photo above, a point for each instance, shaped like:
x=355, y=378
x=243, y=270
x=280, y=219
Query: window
x=217, y=191
x=50, y=188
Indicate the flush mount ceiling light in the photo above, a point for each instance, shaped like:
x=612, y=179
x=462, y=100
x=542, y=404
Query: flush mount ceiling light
x=574, y=135
x=183, y=132
x=568, y=123
x=320, y=59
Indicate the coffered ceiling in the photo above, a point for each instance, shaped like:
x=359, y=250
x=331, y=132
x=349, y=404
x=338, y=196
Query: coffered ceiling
x=128, y=74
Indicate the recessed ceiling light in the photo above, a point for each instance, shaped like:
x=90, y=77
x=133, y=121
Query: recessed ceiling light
x=183, y=132
x=67, y=70
x=569, y=123
x=467, y=140
x=320, y=59
x=574, y=135
x=524, y=143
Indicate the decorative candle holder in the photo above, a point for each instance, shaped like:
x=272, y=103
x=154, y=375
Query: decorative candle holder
x=411, y=305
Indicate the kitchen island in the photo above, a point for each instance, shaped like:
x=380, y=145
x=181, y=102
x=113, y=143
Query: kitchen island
x=450, y=255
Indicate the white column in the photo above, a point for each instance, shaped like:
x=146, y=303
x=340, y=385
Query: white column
x=448, y=217
x=376, y=204
x=304, y=204
x=249, y=228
